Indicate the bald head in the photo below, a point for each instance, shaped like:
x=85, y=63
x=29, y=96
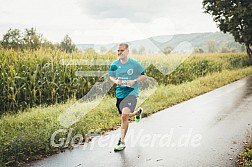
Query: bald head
x=125, y=45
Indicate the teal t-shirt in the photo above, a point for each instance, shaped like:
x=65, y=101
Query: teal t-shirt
x=131, y=70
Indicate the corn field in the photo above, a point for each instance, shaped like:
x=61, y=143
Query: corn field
x=31, y=78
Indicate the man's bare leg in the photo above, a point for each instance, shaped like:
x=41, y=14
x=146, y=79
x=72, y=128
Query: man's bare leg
x=133, y=114
x=124, y=122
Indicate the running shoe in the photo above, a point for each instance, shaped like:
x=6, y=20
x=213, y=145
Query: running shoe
x=120, y=146
x=139, y=114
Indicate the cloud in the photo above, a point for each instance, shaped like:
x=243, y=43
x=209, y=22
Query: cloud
x=141, y=10
x=100, y=21
x=135, y=11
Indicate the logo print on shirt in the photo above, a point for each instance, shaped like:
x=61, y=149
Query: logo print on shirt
x=130, y=71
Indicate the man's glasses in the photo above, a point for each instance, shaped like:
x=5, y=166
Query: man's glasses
x=120, y=50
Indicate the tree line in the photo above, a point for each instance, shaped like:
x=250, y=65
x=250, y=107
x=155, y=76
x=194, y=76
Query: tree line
x=30, y=39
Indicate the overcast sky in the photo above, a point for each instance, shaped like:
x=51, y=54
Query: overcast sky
x=105, y=21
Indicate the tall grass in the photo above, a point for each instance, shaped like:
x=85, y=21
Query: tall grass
x=31, y=78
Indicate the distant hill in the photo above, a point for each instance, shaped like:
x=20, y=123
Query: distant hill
x=159, y=43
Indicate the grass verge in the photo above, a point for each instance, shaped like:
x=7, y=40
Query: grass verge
x=245, y=158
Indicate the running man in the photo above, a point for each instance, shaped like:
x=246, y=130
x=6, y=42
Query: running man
x=126, y=73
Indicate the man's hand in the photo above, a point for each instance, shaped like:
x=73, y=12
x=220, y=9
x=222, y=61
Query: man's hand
x=119, y=82
x=116, y=81
x=130, y=83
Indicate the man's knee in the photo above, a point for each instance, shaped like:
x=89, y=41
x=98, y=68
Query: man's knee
x=125, y=113
x=124, y=117
x=126, y=110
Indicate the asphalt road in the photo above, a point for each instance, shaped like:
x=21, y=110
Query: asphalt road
x=208, y=130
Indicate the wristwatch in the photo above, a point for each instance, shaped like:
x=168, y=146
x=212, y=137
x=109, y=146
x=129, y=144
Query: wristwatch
x=135, y=81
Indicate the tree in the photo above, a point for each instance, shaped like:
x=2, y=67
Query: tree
x=32, y=40
x=201, y=50
x=67, y=45
x=198, y=50
x=211, y=46
x=225, y=50
x=141, y=50
x=12, y=39
x=167, y=50
x=47, y=44
x=233, y=16
x=243, y=48
x=134, y=51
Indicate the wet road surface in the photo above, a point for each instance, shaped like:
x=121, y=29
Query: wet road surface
x=208, y=130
